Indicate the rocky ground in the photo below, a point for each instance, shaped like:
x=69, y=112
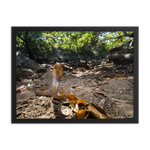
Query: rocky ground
x=92, y=85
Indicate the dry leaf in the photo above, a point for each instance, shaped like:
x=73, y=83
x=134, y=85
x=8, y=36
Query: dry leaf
x=119, y=75
x=112, y=76
x=72, y=105
x=71, y=98
x=63, y=96
x=81, y=102
x=81, y=114
x=75, y=86
x=97, y=112
x=76, y=108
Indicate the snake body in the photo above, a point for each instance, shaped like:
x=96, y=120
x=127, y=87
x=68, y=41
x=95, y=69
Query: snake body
x=55, y=81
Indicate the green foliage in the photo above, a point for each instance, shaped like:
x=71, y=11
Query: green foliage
x=41, y=43
x=111, y=41
x=74, y=40
x=85, y=43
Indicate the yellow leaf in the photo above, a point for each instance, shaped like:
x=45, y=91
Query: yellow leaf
x=72, y=105
x=81, y=114
x=63, y=96
x=75, y=86
x=119, y=75
x=71, y=98
x=81, y=102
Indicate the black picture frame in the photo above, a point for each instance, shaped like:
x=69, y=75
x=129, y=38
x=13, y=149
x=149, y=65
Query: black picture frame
x=14, y=30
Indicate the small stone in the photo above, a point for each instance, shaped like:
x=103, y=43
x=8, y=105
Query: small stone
x=67, y=112
x=130, y=77
x=107, y=79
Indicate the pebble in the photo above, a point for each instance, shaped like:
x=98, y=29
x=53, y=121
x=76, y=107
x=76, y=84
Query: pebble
x=107, y=79
x=130, y=77
x=66, y=112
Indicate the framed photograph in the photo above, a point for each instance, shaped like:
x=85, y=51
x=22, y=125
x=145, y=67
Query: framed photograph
x=74, y=75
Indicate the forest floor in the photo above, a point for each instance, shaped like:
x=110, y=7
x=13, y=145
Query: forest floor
x=84, y=84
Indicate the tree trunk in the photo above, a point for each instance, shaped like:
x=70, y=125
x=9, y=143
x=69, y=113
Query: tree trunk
x=26, y=42
x=29, y=50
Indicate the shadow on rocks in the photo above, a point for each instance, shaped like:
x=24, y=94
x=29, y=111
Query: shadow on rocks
x=58, y=106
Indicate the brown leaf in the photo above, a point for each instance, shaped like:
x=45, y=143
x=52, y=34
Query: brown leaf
x=71, y=98
x=81, y=114
x=97, y=112
x=18, y=90
x=112, y=76
x=81, y=102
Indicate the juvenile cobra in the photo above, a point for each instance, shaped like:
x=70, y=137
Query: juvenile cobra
x=55, y=81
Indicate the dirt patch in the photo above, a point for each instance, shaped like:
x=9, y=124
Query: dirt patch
x=117, y=92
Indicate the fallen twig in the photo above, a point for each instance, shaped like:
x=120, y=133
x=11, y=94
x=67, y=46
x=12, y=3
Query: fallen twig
x=130, y=81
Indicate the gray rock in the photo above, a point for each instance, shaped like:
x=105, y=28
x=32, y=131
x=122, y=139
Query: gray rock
x=22, y=72
x=25, y=62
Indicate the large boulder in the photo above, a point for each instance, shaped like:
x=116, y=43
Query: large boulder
x=121, y=57
x=25, y=67
x=25, y=62
x=23, y=73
